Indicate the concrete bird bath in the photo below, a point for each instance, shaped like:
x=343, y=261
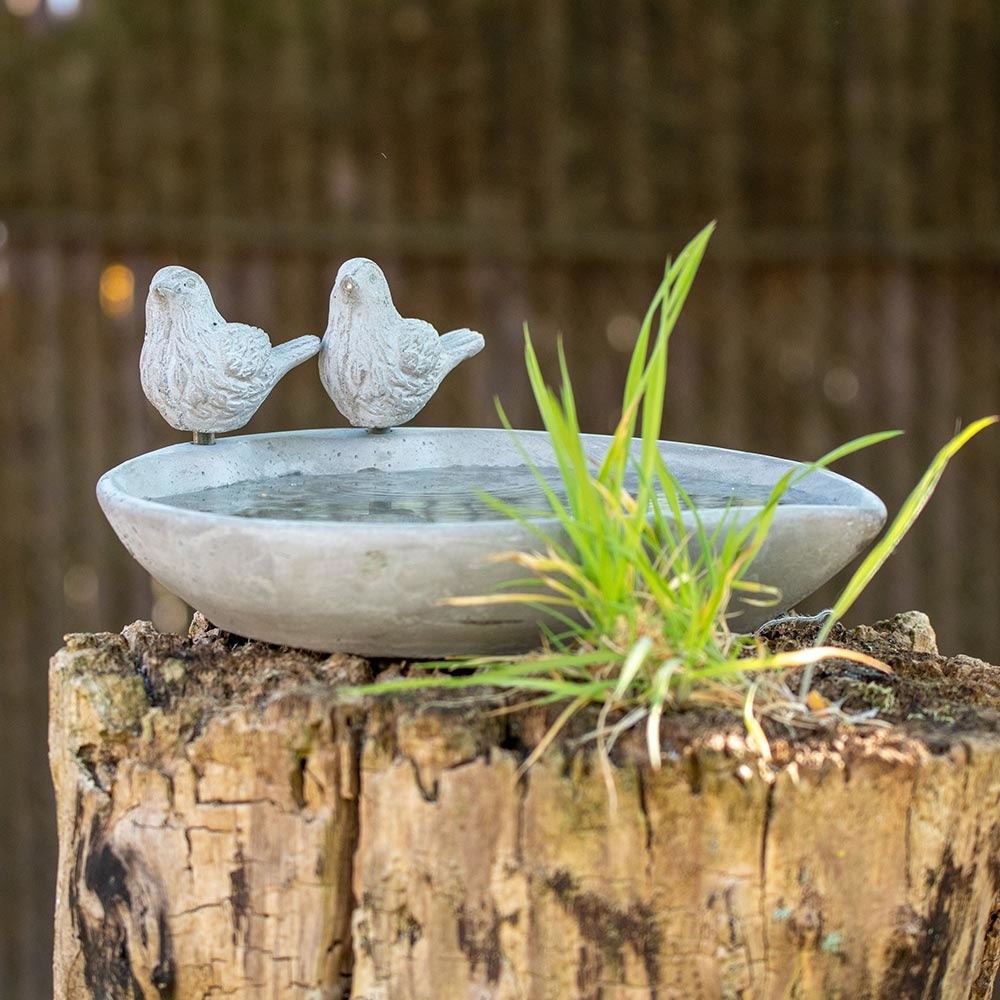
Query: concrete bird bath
x=373, y=584
x=351, y=540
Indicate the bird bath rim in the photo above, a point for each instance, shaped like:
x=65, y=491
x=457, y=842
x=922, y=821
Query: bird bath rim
x=374, y=588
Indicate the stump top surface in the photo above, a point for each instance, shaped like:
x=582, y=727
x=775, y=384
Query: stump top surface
x=929, y=703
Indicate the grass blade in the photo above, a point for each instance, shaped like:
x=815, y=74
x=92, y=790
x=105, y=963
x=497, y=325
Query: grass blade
x=902, y=523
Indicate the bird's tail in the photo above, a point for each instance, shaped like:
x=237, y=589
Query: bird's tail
x=459, y=345
x=286, y=356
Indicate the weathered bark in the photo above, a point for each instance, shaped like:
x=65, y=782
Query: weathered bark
x=230, y=826
x=205, y=845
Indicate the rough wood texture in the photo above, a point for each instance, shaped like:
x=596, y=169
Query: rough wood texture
x=228, y=827
x=206, y=840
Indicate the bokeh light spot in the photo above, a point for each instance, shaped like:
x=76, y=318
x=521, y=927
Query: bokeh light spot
x=117, y=289
x=622, y=331
x=23, y=8
x=80, y=585
x=63, y=8
x=841, y=385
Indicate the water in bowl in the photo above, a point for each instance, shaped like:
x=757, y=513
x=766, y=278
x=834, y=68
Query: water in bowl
x=416, y=495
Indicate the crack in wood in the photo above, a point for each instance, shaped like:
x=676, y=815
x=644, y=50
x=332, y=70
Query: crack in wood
x=769, y=806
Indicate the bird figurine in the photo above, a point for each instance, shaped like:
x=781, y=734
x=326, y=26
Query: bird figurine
x=203, y=374
x=379, y=368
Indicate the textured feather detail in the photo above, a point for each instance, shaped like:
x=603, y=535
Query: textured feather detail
x=245, y=349
x=378, y=367
x=419, y=349
x=202, y=373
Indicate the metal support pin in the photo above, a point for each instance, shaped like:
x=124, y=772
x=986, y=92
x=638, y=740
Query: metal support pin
x=204, y=437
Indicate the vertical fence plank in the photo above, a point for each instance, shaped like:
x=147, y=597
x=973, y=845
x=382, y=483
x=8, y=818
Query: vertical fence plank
x=43, y=436
x=937, y=332
x=19, y=966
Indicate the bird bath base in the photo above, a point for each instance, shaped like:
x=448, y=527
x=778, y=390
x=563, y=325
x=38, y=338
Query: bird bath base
x=373, y=583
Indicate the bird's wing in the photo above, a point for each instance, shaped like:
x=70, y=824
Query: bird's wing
x=419, y=349
x=246, y=350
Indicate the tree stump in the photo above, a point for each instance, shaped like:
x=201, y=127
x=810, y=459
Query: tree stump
x=232, y=826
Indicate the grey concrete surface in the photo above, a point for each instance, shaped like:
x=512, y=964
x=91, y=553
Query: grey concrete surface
x=376, y=588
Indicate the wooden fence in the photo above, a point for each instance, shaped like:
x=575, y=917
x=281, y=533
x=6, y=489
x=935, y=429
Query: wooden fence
x=505, y=161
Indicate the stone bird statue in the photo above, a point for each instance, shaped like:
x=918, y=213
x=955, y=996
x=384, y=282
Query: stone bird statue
x=379, y=368
x=203, y=374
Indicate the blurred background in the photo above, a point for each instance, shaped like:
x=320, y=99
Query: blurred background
x=505, y=161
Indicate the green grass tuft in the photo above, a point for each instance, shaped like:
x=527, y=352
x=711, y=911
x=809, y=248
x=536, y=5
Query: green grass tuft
x=636, y=583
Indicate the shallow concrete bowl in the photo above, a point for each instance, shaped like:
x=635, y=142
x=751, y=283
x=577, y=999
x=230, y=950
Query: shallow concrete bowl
x=376, y=588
